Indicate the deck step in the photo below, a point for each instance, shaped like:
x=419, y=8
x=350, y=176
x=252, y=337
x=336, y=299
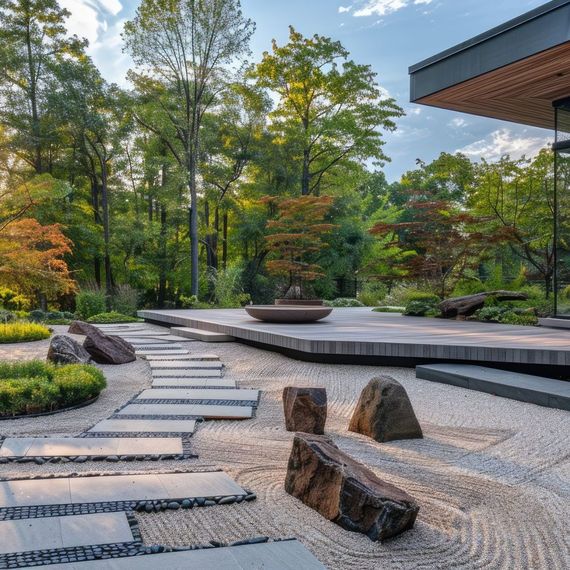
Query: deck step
x=206, y=411
x=87, y=446
x=235, y=394
x=117, y=425
x=203, y=335
x=280, y=555
x=51, y=533
x=110, y=488
x=523, y=387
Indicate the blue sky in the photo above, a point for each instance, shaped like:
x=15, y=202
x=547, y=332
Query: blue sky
x=390, y=35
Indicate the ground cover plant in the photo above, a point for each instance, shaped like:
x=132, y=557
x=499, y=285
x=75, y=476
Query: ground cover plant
x=112, y=317
x=35, y=386
x=20, y=331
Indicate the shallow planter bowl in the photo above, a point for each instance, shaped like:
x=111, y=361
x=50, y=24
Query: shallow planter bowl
x=288, y=313
x=300, y=302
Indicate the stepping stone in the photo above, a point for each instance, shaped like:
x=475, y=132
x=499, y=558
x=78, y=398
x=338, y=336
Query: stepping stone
x=281, y=555
x=144, y=426
x=193, y=383
x=185, y=365
x=173, y=354
x=142, y=333
x=71, y=447
x=200, y=394
x=192, y=357
x=26, y=535
x=203, y=335
x=110, y=488
x=523, y=387
x=152, y=347
x=206, y=411
x=186, y=373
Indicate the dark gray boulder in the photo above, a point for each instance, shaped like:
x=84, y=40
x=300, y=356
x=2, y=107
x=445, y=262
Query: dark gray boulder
x=103, y=348
x=384, y=412
x=305, y=409
x=345, y=491
x=64, y=350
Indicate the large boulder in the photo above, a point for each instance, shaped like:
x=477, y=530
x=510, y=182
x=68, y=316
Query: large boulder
x=103, y=348
x=305, y=409
x=384, y=412
x=64, y=350
x=345, y=491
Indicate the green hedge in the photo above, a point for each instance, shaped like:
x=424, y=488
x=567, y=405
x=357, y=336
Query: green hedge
x=22, y=332
x=112, y=317
x=35, y=386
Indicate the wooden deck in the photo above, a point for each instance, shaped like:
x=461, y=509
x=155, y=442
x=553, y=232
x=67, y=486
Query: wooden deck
x=360, y=336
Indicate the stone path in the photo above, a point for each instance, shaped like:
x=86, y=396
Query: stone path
x=86, y=521
x=279, y=555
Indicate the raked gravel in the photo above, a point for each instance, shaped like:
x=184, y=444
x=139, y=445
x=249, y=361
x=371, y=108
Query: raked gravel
x=492, y=476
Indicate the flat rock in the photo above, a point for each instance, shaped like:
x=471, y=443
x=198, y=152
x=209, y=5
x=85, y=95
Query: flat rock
x=345, y=491
x=185, y=365
x=384, y=412
x=65, y=350
x=206, y=411
x=144, y=426
x=26, y=535
x=305, y=409
x=188, y=373
x=199, y=394
x=281, y=555
x=193, y=383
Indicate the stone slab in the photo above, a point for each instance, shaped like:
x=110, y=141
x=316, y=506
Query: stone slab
x=174, y=355
x=185, y=365
x=203, y=335
x=141, y=333
x=108, y=488
x=282, y=555
x=156, y=339
x=523, y=387
x=141, y=426
x=63, y=532
x=193, y=383
x=187, y=373
x=155, y=347
x=214, y=412
x=69, y=447
x=199, y=394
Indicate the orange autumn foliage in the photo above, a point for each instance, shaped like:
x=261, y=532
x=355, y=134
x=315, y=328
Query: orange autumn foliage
x=32, y=258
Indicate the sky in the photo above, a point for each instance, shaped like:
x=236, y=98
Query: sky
x=389, y=35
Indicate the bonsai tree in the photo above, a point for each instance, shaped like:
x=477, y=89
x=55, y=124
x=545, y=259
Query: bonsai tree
x=295, y=238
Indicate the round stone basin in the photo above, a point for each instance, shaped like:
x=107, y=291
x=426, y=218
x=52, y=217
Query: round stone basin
x=288, y=313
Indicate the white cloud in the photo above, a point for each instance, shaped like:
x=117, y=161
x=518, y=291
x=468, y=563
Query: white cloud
x=414, y=111
x=502, y=142
x=458, y=123
x=343, y=9
x=89, y=17
x=384, y=7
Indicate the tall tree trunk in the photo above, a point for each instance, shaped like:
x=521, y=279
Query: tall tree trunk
x=215, y=235
x=305, y=176
x=163, y=255
x=97, y=218
x=106, y=229
x=36, y=131
x=192, y=174
x=225, y=241
x=208, y=239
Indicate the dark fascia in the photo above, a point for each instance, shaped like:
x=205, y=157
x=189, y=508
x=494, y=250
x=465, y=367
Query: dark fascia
x=538, y=30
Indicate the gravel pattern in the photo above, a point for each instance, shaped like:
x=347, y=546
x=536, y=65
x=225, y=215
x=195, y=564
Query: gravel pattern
x=492, y=476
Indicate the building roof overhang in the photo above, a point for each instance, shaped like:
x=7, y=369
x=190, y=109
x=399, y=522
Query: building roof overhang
x=514, y=72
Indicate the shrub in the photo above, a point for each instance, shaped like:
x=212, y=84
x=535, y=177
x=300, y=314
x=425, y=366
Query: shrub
x=372, y=293
x=36, y=386
x=423, y=296
x=344, y=302
x=566, y=292
x=403, y=293
x=13, y=301
x=89, y=302
x=22, y=332
x=491, y=313
x=423, y=308
x=513, y=318
x=389, y=309
x=125, y=300
x=112, y=317
x=37, y=316
x=6, y=316
x=228, y=288
x=468, y=287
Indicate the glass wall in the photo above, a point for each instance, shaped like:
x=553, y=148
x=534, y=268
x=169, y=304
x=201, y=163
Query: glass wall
x=562, y=209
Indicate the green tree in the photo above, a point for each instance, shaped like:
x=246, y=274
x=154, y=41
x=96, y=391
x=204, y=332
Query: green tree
x=180, y=47
x=330, y=108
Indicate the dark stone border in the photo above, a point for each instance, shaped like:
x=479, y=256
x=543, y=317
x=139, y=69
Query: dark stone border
x=59, y=411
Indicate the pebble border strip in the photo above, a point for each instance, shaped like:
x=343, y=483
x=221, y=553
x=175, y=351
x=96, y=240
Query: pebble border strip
x=147, y=506
x=77, y=553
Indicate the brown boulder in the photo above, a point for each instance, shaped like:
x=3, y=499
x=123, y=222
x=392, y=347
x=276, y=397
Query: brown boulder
x=345, y=491
x=384, y=412
x=305, y=409
x=103, y=348
x=64, y=350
